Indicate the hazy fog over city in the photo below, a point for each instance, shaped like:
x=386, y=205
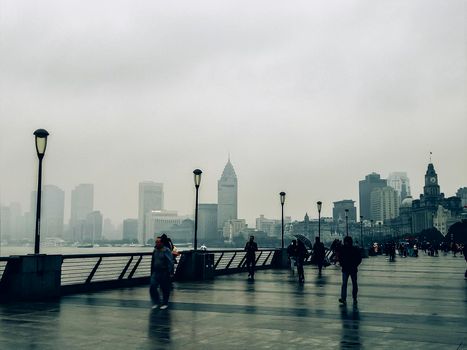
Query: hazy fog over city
x=307, y=97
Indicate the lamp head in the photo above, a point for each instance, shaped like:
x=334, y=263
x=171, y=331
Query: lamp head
x=41, y=142
x=319, y=204
x=282, y=195
x=197, y=173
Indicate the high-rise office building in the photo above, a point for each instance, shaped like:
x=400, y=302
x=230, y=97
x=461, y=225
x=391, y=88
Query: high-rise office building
x=151, y=197
x=52, y=214
x=384, y=203
x=207, y=223
x=93, y=230
x=227, y=190
x=462, y=194
x=371, y=182
x=82, y=204
x=338, y=211
x=130, y=229
x=401, y=183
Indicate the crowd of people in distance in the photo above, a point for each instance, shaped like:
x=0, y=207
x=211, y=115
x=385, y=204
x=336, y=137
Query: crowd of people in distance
x=348, y=256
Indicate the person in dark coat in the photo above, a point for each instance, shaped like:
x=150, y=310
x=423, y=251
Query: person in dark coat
x=251, y=248
x=319, y=253
x=349, y=259
x=162, y=269
x=300, y=255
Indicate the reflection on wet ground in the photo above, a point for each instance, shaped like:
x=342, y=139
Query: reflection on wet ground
x=409, y=304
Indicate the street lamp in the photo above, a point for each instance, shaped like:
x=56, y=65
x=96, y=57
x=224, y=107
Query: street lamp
x=371, y=231
x=197, y=173
x=347, y=222
x=282, y=195
x=319, y=204
x=380, y=234
x=41, y=145
x=361, y=230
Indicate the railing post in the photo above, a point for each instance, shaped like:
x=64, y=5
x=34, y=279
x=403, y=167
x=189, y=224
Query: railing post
x=130, y=276
x=125, y=269
x=91, y=275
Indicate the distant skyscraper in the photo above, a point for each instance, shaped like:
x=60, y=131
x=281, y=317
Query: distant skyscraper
x=93, y=230
x=151, y=197
x=130, y=229
x=207, y=222
x=384, y=203
x=82, y=204
x=52, y=214
x=462, y=194
x=227, y=196
x=401, y=183
x=338, y=212
x=371, y=182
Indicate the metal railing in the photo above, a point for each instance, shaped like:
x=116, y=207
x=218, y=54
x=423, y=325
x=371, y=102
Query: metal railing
x=3, y=262
x=96, y=271
x=233, y=261
x=89, y=272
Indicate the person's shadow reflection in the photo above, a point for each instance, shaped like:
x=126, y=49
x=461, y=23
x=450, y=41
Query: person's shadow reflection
x=350, y=337
x=160, y=327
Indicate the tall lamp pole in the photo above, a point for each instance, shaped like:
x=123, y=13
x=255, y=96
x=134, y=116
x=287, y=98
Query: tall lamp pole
x=41, y=145
x=197, y=173
x=319, y=204
x=361, y=230
x=282, y=195
x=347, y=222
x=380, y=234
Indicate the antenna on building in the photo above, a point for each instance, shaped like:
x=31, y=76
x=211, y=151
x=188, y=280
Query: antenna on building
x=431, y=153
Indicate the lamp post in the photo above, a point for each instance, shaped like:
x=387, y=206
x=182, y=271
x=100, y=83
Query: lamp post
x=379, y=230
x=319, y=204
x=41, y=145
x=347, y=222
x=197, y=174
x=371, y=231
x=282, y=195
x=361, y=230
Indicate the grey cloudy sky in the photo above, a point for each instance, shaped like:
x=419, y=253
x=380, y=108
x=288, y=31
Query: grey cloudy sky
x=307, y=96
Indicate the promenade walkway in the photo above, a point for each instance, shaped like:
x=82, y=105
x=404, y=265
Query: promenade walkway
x=414, y=303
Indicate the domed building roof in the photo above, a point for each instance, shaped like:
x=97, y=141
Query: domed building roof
x=407, y=202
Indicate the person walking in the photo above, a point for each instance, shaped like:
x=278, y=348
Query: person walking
x=162, y=269
x=291, y=254
x=349, y=259
x=301, y=255
x=251, y=248
x=319, y=253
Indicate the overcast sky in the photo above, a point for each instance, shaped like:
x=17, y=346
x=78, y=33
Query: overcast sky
x=307, y=96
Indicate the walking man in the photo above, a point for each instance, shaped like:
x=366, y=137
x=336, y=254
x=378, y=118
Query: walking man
x=349, y=259
x=301, y=255
x=320, y=254
x=251, y=248
x=162, y=269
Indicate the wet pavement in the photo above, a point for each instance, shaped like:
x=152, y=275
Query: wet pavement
x=414, y=303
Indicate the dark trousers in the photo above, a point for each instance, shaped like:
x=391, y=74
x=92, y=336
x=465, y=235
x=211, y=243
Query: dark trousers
x=345, y=280
x=300, y=271
x=320, y=263
x=160, y=279
x=250, y=264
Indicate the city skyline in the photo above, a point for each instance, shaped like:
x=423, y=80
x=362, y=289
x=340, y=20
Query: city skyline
x=251, y=219
x=307, y=100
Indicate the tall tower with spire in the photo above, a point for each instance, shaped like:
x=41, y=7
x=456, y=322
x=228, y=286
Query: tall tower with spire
x=227, y=195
